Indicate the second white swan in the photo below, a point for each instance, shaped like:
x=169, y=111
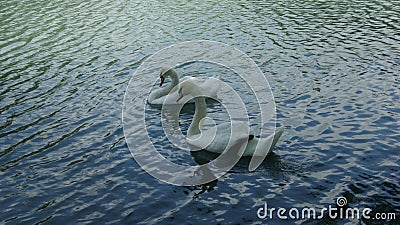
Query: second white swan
x=216, y=140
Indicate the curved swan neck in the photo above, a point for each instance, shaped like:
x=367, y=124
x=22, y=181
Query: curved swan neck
x=175, y=79
x=199, y=114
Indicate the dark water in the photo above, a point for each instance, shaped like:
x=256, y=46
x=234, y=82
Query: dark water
x=333, y=66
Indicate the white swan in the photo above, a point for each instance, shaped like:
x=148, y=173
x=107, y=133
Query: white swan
x=158, y=96
x=216, y=140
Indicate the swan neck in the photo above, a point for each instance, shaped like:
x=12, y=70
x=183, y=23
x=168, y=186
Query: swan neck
x=199, y=114
x=174, y=82
x=174, y=78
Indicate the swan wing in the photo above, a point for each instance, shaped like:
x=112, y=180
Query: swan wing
x=216, y=139
x=211, y=87
x=155, y=98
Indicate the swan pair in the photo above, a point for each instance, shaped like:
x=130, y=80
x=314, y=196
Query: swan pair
x=224, y=136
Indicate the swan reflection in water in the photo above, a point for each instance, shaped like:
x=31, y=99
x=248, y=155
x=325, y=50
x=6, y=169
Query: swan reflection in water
x=273, y=165
x=201, y=159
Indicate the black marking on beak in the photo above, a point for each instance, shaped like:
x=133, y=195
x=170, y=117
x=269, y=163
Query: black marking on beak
x=162, y=80
x=180, y=95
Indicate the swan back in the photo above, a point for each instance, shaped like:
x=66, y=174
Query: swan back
x=189, y=87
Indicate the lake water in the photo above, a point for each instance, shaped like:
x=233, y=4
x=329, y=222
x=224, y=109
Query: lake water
x=333, y=67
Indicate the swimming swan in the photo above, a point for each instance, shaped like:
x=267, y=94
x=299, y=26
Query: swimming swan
x=158, y=96
x=216, y=140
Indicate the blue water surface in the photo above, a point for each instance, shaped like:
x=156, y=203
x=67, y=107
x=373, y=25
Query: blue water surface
x=333, y=67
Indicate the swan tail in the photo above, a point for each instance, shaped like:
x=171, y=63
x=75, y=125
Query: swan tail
x=277, y=135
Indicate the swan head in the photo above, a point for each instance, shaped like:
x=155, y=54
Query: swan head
x=189, y=87
x=166, y=72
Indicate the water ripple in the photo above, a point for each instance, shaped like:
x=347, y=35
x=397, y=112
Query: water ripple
x=333, y=67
